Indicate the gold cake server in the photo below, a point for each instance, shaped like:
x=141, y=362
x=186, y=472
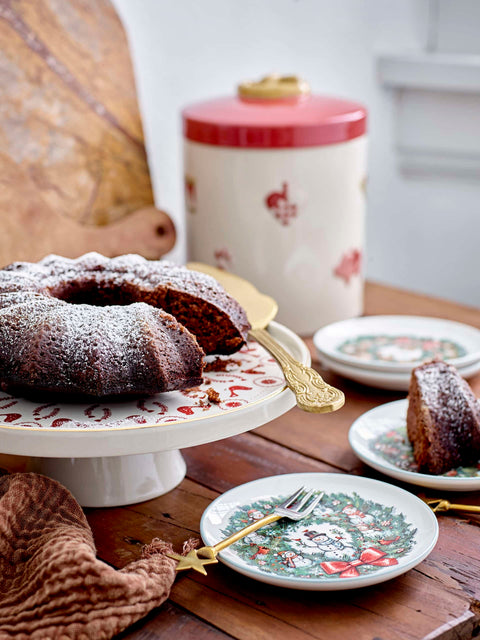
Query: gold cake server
x=311, y=391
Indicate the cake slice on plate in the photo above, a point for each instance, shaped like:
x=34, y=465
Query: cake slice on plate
x=443, y=419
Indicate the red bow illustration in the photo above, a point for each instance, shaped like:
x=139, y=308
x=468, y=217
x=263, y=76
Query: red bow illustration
x=370, y=556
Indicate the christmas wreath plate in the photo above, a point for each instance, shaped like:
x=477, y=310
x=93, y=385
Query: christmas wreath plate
x=396, y=344
x=379, y=438
x=362, y=532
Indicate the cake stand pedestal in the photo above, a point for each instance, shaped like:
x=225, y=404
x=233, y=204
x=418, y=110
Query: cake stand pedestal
x=113, y=481
x=113, y=466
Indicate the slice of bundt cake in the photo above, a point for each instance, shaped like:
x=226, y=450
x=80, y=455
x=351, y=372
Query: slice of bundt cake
x=98, y=326
x=443, y=419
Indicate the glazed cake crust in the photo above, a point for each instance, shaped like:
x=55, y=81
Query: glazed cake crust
x=443, y=419
x=99, y=327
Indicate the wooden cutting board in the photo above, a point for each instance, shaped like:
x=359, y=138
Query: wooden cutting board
x=73, y=168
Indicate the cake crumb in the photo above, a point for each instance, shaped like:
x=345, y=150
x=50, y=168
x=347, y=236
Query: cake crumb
x=218, y=364
x=213, y=395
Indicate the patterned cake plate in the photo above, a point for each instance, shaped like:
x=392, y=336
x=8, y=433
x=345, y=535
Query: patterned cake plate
x=230, y=382
x=239, y=392
x=396, y=344
x=363, y=532
x=379, y=438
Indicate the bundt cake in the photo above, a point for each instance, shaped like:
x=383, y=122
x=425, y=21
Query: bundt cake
x=98, y=326
x=443, y=419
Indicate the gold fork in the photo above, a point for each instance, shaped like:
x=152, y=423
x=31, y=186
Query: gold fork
x=438, y=505
x=197, y=558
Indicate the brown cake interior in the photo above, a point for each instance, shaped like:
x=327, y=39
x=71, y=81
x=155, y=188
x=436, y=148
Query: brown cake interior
x=216, y=320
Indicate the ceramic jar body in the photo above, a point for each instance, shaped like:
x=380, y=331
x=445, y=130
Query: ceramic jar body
x=290, y=220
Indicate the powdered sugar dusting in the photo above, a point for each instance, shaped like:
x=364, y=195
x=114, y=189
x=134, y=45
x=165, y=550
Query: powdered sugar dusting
x=448, y=397
x=133, y=270
x=77, y=346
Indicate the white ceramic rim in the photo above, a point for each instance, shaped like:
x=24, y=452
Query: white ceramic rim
x=77, y=443
x=377, y=379
x=327, y=339
x=294, y=480
x=383, y=380
x=360, y=445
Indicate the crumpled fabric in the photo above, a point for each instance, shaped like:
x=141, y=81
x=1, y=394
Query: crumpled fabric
x=52, y=586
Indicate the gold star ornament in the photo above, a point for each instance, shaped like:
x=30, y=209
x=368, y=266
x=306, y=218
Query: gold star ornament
x=193, y=560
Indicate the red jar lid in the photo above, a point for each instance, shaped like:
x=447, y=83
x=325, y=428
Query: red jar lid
x=295, y=121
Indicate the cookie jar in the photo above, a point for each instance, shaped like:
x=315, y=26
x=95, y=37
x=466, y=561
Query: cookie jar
x=275, y=192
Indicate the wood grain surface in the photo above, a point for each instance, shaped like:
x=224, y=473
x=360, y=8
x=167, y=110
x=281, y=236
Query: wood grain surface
x=438, y=600
x=72, y=154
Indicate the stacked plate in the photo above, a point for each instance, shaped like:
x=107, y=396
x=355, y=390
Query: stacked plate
x=381, y=351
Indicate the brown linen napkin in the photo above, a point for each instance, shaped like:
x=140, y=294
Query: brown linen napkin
x=51, y=584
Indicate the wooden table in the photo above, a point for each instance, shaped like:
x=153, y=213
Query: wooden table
x=439, y=599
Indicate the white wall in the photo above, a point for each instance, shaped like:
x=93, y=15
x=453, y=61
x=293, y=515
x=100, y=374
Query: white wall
x=422, y=233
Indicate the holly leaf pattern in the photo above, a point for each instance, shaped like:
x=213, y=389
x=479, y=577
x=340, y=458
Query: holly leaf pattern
x=394, y=447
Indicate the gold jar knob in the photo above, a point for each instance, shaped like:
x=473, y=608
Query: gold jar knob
x=274, y=86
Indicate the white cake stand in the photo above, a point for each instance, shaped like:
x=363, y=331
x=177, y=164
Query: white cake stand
x=122, y=454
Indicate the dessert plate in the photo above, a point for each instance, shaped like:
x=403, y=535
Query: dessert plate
x=383, y=379
x=379, y=438
x=398, y=343
x=362, y=532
